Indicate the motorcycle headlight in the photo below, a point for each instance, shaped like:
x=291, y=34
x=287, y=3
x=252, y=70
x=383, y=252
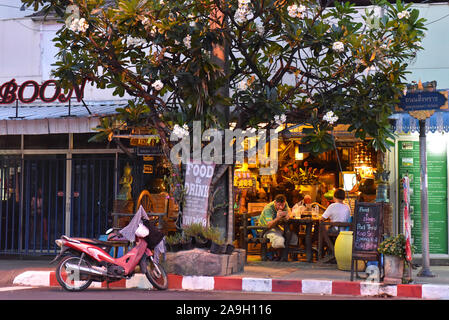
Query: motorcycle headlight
x=59, y=243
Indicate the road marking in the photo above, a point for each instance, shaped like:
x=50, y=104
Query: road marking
x=14, y=288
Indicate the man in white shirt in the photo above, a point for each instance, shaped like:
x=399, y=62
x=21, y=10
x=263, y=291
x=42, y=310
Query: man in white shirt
x=337, y=211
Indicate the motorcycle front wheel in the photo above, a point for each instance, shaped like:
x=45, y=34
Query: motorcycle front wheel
x=68, y=275
x=156, y=275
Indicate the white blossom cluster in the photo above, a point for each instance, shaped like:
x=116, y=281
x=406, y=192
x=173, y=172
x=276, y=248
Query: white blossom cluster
x=280, y=119
x=148, y=25
x=404, y=14
x=79, y=25
x=260, y=29
x=158, y=85
x=243, y=13
x=330, y=117
x=133, y=41
x=338, y=46
x=181, y=132
x=296, y=12
x=242, y=85
x=187, y=41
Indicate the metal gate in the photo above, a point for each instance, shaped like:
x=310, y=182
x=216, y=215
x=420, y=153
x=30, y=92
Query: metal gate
x=35, y=209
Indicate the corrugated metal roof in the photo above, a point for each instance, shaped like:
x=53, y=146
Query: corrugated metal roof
x=55, y=118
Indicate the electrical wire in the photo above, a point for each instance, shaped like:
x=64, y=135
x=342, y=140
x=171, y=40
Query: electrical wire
x=447, y=15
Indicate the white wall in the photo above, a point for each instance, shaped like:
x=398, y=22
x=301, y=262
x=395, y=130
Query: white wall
x=11, y=9
x=432, y=63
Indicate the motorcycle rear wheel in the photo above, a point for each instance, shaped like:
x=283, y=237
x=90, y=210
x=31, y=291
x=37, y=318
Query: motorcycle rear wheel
x=71, y=280
x=156, y=275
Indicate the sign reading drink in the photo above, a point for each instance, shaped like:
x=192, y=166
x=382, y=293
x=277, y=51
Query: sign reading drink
x=197, y=182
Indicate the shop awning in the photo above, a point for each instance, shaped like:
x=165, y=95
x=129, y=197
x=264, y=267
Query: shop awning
x=405, y=123
x=55, y=118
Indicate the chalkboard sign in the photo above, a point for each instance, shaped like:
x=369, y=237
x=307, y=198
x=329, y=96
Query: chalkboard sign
x=368, y=227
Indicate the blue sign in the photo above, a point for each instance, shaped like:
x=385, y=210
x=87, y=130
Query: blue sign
x=423, y=100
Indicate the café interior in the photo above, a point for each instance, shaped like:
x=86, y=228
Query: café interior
x=350, y=166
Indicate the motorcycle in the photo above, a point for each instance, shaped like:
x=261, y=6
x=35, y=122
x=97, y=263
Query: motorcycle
x=82, y=261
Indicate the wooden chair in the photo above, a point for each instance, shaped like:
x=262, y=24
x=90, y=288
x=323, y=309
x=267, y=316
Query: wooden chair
x=328, y=235
x=253, y=234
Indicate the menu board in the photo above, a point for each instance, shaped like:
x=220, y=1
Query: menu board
x=197, y=182
x=408, y=157
x=368, y=226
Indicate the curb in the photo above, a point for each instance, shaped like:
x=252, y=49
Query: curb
x=323, y=287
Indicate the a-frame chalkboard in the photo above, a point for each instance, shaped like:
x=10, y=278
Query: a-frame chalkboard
x=368, y=232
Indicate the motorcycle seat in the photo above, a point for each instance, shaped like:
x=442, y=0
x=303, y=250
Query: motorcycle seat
x=109, y=243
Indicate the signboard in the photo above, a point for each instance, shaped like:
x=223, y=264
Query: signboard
x=197, y=182
x=368, y=227
x=408, y=157
x=423, y=100
x=149, y=151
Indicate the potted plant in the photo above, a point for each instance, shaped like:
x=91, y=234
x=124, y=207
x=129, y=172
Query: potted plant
x=186, y=242
x=217, y=246
x=173, y=242
x=198, y=232
x=393, y=249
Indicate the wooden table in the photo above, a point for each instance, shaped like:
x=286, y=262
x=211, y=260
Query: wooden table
x=309, y=223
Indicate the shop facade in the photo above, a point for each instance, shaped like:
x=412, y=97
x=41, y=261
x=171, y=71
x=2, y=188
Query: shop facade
x=404, y=160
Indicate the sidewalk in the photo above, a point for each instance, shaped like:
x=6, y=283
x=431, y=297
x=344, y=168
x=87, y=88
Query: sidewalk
x=266, y=276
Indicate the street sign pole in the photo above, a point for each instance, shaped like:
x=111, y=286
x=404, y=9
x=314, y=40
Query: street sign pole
x=425, y=270
x=422, y=105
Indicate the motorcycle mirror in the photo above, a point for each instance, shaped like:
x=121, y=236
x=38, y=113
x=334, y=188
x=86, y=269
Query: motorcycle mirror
x=109, y=231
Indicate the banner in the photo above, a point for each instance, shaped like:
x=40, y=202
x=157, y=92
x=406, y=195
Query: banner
x=198, y=177
x=407, y=226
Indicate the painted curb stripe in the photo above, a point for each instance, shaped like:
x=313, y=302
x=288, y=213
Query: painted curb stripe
x=177, y=282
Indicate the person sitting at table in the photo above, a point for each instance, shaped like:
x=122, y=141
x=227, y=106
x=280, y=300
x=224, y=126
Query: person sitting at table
x=298, y=204
x=273, y=215
x=336, y=212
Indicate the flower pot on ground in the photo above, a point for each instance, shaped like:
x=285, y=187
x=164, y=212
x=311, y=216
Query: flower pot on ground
x=201, y=242
x=173, y=242
x=229, y=248
x=186, y=242
x=394, y=269
x=217, y=247
x=394, y=253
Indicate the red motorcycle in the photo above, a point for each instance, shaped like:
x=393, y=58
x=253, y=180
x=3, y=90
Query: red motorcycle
x=85, y=260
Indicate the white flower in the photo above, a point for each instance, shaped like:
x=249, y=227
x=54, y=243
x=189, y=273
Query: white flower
x=242, y=85
x=181, y=132
x=280, y=119
x=146, y=21
x=329, y=117
x=309, y=100
x=132, y=41
x=79, y=25
x=338, y=46
x=404, y=14
x=187, y=41
x=158, y=85
x=260, y=29
x=243, y=12
x=82, y=25
x=292, y=10
x=296, y=12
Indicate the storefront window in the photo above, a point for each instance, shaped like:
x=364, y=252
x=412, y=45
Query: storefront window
x=47, y=141
x=10, y=142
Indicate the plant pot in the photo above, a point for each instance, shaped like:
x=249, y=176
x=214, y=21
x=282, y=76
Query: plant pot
x=174, y=247
x=216, y=248
x=202, y=243
x=343, y=252
x=394, y=269
x=229, y=248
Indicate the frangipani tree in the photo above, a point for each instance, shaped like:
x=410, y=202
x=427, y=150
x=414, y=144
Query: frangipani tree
x=300, y=61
